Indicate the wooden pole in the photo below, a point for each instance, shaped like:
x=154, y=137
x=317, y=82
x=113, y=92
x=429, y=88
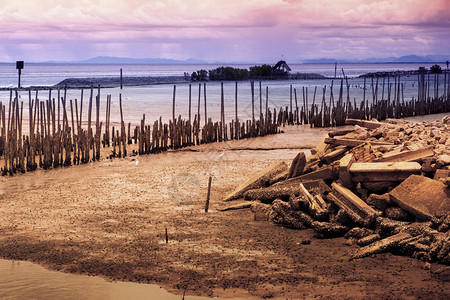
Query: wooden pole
x=266, y=121
x=290, y=101
x=204, y=97
x=190, y=100
x=260, y=99
x=173, y=104
x=252, y=85
x=236, y=111
x=208, y=194
x=296, y=107
x=198, y=105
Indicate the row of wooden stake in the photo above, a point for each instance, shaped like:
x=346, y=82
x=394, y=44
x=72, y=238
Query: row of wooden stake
x=56, y=139
x=53, y=139
x=390, y=104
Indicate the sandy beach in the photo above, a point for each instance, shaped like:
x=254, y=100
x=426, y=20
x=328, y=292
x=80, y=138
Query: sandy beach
x=108, y=219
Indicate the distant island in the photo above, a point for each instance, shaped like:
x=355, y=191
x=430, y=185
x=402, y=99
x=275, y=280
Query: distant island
x=280, y=71
x=389, y=60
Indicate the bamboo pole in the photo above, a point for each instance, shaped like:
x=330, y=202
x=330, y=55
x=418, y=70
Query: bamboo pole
x=204, y=96
x=236, y=111
x=253, y=100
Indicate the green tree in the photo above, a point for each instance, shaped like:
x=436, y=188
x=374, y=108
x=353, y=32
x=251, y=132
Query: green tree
x=422, y=70
x=436, y=69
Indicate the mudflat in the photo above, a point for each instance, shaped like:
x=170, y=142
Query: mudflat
x=109, y=219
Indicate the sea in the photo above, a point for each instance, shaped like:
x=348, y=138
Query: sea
x=155, y=101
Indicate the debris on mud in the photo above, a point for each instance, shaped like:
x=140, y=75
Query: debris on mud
x=383, y=185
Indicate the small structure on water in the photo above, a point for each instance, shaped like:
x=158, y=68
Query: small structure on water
x=281, y=67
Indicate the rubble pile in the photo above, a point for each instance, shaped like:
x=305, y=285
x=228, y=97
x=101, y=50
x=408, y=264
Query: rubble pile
x=383, y=186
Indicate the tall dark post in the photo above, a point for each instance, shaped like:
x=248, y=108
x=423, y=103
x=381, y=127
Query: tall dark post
x=19, y=67
x=121, y=79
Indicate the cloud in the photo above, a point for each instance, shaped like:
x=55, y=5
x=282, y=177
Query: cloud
x=230, y=30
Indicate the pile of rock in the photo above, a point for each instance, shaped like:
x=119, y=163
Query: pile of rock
x=384, y=186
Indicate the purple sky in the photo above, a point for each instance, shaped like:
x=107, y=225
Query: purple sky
x=222, y=30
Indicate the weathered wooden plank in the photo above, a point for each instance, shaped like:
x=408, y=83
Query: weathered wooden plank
x=353, y=142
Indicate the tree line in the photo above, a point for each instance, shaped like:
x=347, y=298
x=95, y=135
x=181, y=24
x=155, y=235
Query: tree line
x=229, y=73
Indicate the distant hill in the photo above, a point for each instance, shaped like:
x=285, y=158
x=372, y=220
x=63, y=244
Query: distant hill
x=191, y=61
x=402, y=59
x=111, y=60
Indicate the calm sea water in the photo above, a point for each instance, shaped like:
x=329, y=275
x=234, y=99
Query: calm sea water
x=24, y=280
x=156, y=100
x=50, y=74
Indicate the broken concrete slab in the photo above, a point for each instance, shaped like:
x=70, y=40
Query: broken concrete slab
x=414, y=155
x=383, y=171
x=334, y=155
x=442, y=161
x=363, y=153
x=280, y=177
x=323, y=173
x=441, y=174
x=382, y=245
x=258, y=180
x=316, y=206
x=355, y=216
x=267, y=195
x=320, y=148
x=298, y=165
x=344, y=173
x=353, y=142
x=422, y=197
x=380, y=202
x=354, y=202
x=363, y=123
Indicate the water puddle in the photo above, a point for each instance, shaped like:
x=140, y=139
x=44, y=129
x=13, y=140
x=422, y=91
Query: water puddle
x=25, y=280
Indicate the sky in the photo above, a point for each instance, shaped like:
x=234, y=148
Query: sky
x=222, y=30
